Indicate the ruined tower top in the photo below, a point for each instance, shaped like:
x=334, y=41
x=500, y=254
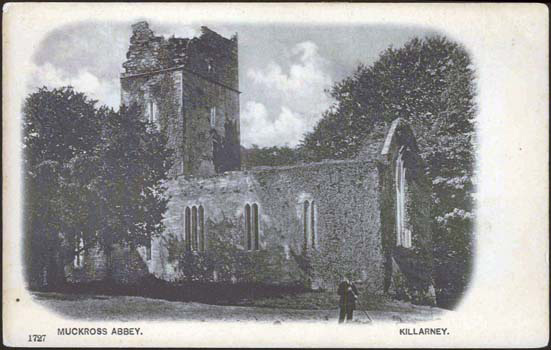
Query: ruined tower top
x=189, y=89
x=209, y=54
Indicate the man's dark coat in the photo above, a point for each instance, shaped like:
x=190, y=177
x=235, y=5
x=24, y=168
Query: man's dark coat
x=347, y=297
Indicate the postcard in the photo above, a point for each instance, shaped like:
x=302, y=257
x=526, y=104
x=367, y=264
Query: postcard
x=275, y=175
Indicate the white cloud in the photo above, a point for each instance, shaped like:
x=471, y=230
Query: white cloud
x=176, y=30
x=257, y=128
x=103, y=90
x=294, y=97
x=284, y=99
x=303, y=76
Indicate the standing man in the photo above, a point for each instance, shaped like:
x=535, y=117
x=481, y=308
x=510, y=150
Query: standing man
x=348, y=295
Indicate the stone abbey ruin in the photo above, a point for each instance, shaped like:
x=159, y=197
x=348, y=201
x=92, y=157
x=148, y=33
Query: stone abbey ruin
x=291, y=225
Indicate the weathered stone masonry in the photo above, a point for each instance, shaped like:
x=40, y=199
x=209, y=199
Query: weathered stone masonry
x=346, y=201
x=304, y=224
x=192, y=86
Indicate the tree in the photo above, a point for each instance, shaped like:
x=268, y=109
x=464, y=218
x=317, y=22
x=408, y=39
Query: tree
x=91, y=174
x=430, y=83
x=130, y=198
x=59, y=125
x=269, y=156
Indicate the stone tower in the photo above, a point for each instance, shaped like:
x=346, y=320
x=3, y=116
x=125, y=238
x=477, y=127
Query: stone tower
x=188, y=87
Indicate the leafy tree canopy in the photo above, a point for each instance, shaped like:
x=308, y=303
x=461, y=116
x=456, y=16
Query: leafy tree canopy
x=90, y=173
x=269, y=156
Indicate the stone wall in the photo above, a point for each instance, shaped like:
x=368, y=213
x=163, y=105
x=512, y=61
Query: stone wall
x=188, y=80
x=128, y=266
x=354, y=220
x=164, y=89
x=345, y=195
x=373, y=144
x=148, y=52
x=210, y=148
x=209, y=55
x=214, y=57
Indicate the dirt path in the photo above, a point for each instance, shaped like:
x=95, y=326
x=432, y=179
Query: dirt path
x=126, y=308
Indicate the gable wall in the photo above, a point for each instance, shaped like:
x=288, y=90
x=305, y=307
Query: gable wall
x=408, y=270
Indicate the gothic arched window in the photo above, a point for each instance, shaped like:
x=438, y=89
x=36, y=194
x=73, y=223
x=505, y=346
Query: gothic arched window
x=309, y=224
x=306, y=222
x=255, y=226
x=194, y=236
x=201, y=228
x=194, y=228
x=148, y=250
x=313, y=237
x=213, y=117
x=248, y=226
x=152, y=112
x=187, y=229
x=403, y=234
x=252, y=227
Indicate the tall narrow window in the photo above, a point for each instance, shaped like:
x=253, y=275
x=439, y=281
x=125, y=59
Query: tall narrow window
x=152, y=112
x=210, y=65
x=187, y=231
x=255, y=226
x=248, y=225
x=79, y=255
x=313, y=224
x=194, y=244
x=148, y=250
x=403, y=234
x=306, y=222
x=213, y=117
x=201, y=228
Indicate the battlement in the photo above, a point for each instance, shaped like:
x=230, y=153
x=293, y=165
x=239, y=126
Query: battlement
x=210, y=54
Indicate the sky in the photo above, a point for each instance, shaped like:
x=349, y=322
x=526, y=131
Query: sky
x=284, y=70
